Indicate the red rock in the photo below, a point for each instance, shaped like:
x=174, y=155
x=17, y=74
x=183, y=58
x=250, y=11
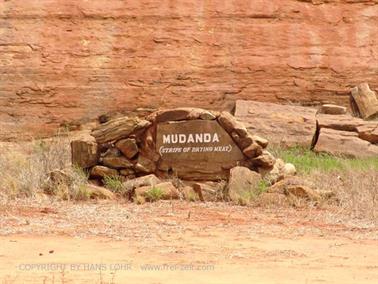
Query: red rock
x=145, y=165
x=333, y=109
x=366, y=130
x=150, y=180
x=341, y=122
x=66, y=61
x=128, y=147
x=253, y=150
x=84, y=152
x=99, y=192
x=243, y=184
x=344, y=143
x=127, y=172
x=242, y=142
x=261, y=141
x=230, y=124
x=117, y=162
x=118, y=128
x=177, y=114
x=296, y=187
x=265, y=160
x=365, y=101
x=287, y=125
x=210, y=191
x=101, y=171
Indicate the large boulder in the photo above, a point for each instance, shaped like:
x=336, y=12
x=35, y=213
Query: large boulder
x=84, y=152
x=364, y=101
x=243, y=184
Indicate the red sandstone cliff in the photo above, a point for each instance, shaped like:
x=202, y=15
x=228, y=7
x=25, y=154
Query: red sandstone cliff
x=64, y=60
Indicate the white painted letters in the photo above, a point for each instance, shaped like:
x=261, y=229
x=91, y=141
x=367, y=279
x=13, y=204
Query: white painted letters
x=191, y=138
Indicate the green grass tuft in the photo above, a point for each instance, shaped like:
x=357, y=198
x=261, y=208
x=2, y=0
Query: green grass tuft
x=154, y=194
x=307, y=161
x=113, y=183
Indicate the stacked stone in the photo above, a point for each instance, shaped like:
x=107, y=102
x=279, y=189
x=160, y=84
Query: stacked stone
x=252, y=146
x=113, y=150
x=125, y=146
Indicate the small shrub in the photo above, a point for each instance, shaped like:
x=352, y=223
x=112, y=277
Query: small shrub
x=114, y=183
x=154, y=194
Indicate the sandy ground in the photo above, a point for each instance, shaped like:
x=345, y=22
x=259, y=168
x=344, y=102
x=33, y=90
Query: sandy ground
x=181, y=242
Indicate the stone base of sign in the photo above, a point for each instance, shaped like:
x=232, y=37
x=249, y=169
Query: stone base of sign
x=187, y=143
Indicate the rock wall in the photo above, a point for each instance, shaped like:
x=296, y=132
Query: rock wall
x=71, y=60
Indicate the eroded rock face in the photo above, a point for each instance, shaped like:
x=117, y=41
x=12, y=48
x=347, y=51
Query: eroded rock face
x=66, y=61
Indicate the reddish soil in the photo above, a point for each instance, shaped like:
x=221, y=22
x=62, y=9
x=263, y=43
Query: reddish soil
x=184, y=242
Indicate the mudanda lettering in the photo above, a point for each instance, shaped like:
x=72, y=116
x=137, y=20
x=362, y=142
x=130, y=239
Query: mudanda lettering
x=190, y=138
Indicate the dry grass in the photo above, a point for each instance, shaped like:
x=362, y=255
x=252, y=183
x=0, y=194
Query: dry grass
x=353, y=181
x=356, y=191
x=25, y=173
x=25, y=170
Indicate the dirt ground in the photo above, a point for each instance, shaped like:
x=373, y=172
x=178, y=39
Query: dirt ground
x=182, y=242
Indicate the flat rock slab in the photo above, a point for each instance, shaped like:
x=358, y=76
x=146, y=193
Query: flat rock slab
x=281, y=124
x=118, y=128
x=344, y=143
x=367, y=130
x=333, y=109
